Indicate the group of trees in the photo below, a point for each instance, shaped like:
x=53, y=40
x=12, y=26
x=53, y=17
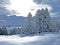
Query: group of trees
x=41, y=22
x=3, y=31
x=15, y=30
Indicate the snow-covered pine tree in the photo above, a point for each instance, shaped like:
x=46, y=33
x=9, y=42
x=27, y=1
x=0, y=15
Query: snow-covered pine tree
x=23, y=28
x=51, y=27
x=46, y=21
x=38, y=21
x=29, y=24
x=54, y=27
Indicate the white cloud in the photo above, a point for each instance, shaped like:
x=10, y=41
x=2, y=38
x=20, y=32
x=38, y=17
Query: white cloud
x=21, y=6
x=55, y=14
x=24, y=7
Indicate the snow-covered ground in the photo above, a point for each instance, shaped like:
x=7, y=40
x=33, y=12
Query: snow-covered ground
x=46, y=39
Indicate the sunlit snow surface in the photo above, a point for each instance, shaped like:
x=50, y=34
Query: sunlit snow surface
x=46, y=39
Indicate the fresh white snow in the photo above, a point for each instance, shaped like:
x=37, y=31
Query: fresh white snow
x=46, y=39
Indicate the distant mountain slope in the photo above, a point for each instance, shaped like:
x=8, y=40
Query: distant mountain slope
x=12, y=20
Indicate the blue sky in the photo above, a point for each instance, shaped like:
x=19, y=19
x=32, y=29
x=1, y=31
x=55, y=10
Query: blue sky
x=55, y=5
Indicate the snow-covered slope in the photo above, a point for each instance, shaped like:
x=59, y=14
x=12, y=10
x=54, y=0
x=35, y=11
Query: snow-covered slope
x=46, y=39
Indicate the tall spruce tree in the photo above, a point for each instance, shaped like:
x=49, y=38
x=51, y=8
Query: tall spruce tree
x=38, y=21
x=29, y=23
